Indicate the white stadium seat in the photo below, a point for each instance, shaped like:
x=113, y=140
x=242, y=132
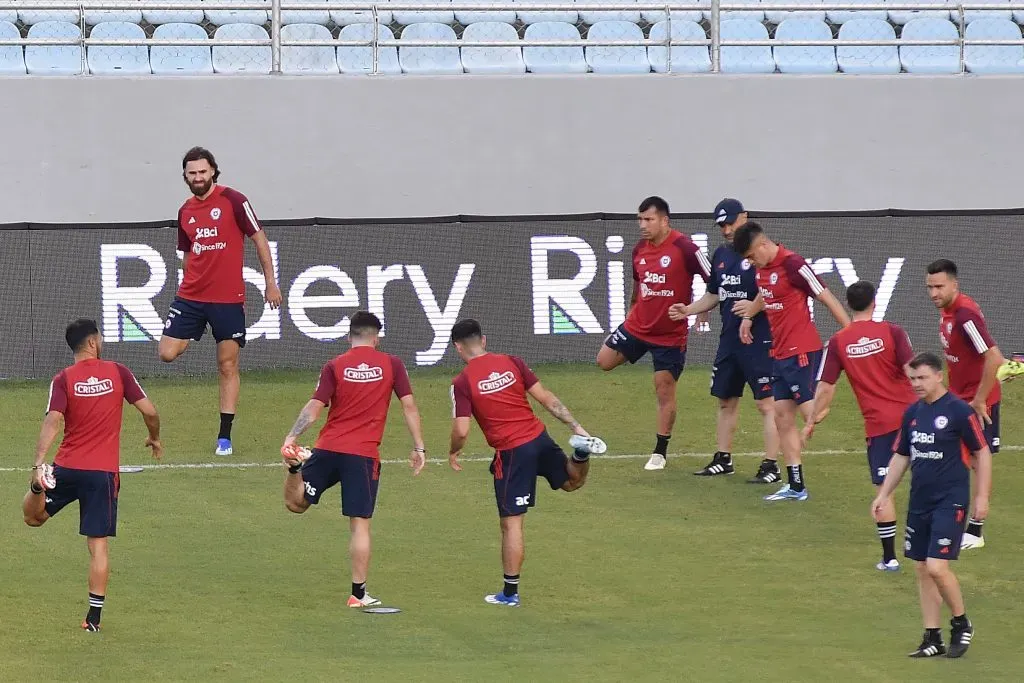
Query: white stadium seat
x=360, y=13
x=535, y=17
x=9, y=15
x=181, y=59
x=654, y=16
x=156, y=17
x=807, y=59
x=974, y=14
x=901, y=17
x=54, y=59
x=225, y=17
x=993, y=59
x=466, y=17
x=492, y=60
x=430, y=60
x=242, y=60
x=553, y=60
x=754, y=13
x=779, y=16
x=306, y=16
x=118, y=59
x=405, y=17
x=307, y=60
x=94, y=17
x=593, y=17
x=1018, y=16
x=12, y=57
x=30, y=17
x=747, y=60
x=685, y=58
x=842, y=16
x=612, y=59
x=930, y=59
x=359, y=60
x=868, y=59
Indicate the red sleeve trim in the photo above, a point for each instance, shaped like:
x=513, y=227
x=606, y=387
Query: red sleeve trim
x=58, y=398
x=462, y=399
x=245, y=217
x=400, y=378
x=529, y=377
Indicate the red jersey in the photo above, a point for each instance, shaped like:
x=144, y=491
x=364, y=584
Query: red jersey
x=357, y=385
x=785, y=284
x=664, y=275
x=965, y=339
x=492, y=388
x=873, y=355
x=212, y=233
x=89, y=395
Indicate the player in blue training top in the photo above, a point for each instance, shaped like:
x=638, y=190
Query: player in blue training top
x=940, y=439
x=733, y=289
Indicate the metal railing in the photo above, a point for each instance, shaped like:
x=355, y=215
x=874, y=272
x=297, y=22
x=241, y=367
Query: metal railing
x=712, y=11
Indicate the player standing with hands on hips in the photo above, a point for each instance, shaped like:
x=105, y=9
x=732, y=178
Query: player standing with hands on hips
x=212, y=226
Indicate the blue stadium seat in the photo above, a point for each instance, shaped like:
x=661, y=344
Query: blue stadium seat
x=975, y=14
x=867, y=59
x=181, y=59
x=616, y=60
x=360, y=15
x=535, y=17
x=156, y=17
x=1018, y=16
x=307, y=60
x=592, y=17
x=359, y=60
x=307, y=16
x=9, y=15
x=467, y=17
x=685, y=58
x=12, y=57
x=694, y=15
x=118, y=59
x=492, y=60
x=843, y=16
x=753, y=14
x=993, y=59
x=554, y=60
x=405, y=17
x=94, y=17
x=226, y=17
x=930, y=59
x=901, y=17
x=57, y=60
x=779, y=16
x=807, y=59
x=241, y=60
x=734, y=59
x=30, y=17
x=430, y=60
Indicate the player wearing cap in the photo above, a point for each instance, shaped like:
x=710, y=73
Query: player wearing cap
x=87, y=397
x=664, y=264
x=737, y=363
x=874, y=356
x=785, y=281
x=493, y=388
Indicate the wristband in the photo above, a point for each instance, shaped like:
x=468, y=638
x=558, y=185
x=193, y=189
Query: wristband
x=294, y=469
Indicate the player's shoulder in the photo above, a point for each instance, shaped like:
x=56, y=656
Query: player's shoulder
x=682, y=241
x=958, y=407
x=912, y=410
x=231, y=193
x=723, y=253
x=792, y=260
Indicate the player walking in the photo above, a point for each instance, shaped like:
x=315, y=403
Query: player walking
x=733, y=289
x=87, y=397
x=786, y=280
x=212, y=225
x=937, y=434
x=357, y=385
x=973, y=361
x=874, y=356
x=664, y=264
x=493, y=388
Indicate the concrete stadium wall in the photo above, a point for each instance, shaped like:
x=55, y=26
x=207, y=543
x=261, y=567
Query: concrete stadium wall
x=90, y=149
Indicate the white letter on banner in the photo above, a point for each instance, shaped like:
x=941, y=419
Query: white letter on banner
x=699, y=286
x=565, y=293
x=136, y=302
x=269, y=324
x=441, y=322
x=616, y=283
x=298, y=302
x=377, y=279
x=886, y=286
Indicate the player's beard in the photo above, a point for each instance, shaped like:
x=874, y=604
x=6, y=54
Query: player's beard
x=201, y=188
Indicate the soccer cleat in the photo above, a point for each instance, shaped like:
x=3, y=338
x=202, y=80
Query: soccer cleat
x=588, y=444
x=93, y=628
x=657, y=462
x=502, y=599
x=720, y=464
x=767, y=473
x=366, y=601
x=223, y=447
x=295, y=455
x=928, y=648
x=786, y=493
x=47, y=477
x=1011, y=369
x=960, y=640
x=890, y=566
x=972, y=542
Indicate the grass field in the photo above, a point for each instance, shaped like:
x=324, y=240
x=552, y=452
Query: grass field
x=638, y=576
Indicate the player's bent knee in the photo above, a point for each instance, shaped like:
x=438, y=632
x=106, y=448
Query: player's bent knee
x=168, y=355
x=35, y=521
x=296, y=507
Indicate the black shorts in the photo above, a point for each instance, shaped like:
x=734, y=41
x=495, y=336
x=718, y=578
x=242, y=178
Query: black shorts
x=795, y=378
x=879, y=454
x=359, y=478
x=992, y=430
x=670, y=358
x=935, y=533
x=188, y=320
x=736, y=366
x=96, y=493
x=515, y=474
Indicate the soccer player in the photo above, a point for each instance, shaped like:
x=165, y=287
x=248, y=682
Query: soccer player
x=212, y=225
x=874, y=356
x=493, y=388
x=786, y=281
x=357, y=385
x=87, y=398
x=733, y=289
x=973, y=361
x=664, y=264
x=938, y=434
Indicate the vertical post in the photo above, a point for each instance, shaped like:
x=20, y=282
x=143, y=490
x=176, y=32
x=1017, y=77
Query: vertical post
x=716, y=37
x=275, y=36
x=960, y=9
x=373, y=44
x=668, y=39
x=81, y=27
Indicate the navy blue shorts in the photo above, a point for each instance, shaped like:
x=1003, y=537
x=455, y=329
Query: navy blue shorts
x=668, y=358
x=935, y=533
x=359, y=478
x=516, y=471
x=96, y=493
x=879, y=454
x=794, y=378
x=188, y=320
x=747, y=364
x=992, y=430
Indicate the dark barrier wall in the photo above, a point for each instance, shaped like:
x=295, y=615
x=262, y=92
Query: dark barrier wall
x=548, y=290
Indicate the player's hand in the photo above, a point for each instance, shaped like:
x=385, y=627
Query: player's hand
x=806, y=433
x=677, y=312
x=273, y=295
x=980, y=508
x=417, y=461
x=578, y=430
x=158, y=448
x=37, y=477
x=877, y=504
x=744, y=308
x=746, y=335
x=453, y=461
x=982, y=411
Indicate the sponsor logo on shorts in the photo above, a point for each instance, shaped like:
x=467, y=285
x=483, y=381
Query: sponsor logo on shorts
x=496, y=382
x=94, y=387
x=941, y=421
x=906, y=546
x=364, y=373
x=523, y=501
x=310, y=489
x=865, y=347
x=944, y=541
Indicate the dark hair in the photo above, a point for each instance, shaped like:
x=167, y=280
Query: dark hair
x=466, y=329
x=860, y=295
x=198, y=153
x=656, y=203
x=745, y=237
x=78, y=332
x=943, y=265
x=362, y=323
x=926, y=358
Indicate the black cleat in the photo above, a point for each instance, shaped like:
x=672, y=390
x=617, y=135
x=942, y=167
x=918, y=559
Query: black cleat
x=721, y=463
x=928, y=648
x=960, y=640
x=89, y=626
x=767, y=473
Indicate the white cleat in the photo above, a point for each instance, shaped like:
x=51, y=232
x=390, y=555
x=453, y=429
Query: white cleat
x=890, y=566
x=657, y=462
x=588, y=444
x=366, y=601
x=972, y=542
x=47, y=477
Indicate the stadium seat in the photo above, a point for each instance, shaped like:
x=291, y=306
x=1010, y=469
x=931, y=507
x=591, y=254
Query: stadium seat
x=779, y=16
x=535, y=17
x=993, y=59
x=867, y=59
x=299, y=61
x=467, y=17
x=654, y=16
x=58, y=60
x=226, y=17
x=616, y=60
x=930, y=59
x=308, y=16
x=734, y=59
x=156, y=17
x=9, y=15
x=492, y=60
x=685, y=58
x=901, y=17
x=592, y=17
x=754, y=14
x=1018, y=16
x=181, y=59
x=405, y=18
x=12, y=57
x=842, y=16
x=31, y=17
x=253, y=59
x=975, y=14
x=554, y=60
x=359, y=60
x=118, y=59
x=807, y=59
x=94, y=17
x=359, y=14
x=430, y=60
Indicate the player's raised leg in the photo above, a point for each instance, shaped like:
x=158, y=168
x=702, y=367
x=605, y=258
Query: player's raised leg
x=170, y=348
x=229, y=384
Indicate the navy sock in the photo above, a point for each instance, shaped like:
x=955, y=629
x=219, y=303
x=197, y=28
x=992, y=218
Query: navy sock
x=887, y=535
x=796, y=477
x=511, y=585
x=225, y=425
x=934, y=635
x=359, y=589
x=95, y=607
x=974, y=527
x=961, y=622
x=661, y=446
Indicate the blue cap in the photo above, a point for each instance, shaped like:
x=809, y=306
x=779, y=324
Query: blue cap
x=728, y=210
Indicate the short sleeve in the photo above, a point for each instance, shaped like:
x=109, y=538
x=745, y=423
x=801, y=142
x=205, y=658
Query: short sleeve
x=904, y=351
x=695, y=259
x=831, y=363
x=972, y=434
x=400, y=378
x=326, y=385
x=636, y=275
x=245, y=217
x=58, y=399
x=133, y=392
x=902, y=445
x=462, y=400
x=975, y=330
x=802, y=277
x=184, y=243
x=529, y=378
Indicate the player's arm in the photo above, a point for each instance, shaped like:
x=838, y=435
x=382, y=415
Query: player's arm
x=898, y=465
x=804, y=278
x=704, y=304
x=134, y=395
x=976, y=332
x=403, y=390
x=309, y=414
x=828, y=375
x=556, y=408
x=52, y=425
x=462, y=410
x=273, y=295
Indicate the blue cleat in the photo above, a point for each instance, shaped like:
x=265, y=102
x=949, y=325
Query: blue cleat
x=502, y=599
x=786, y=493
x=223, y=447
